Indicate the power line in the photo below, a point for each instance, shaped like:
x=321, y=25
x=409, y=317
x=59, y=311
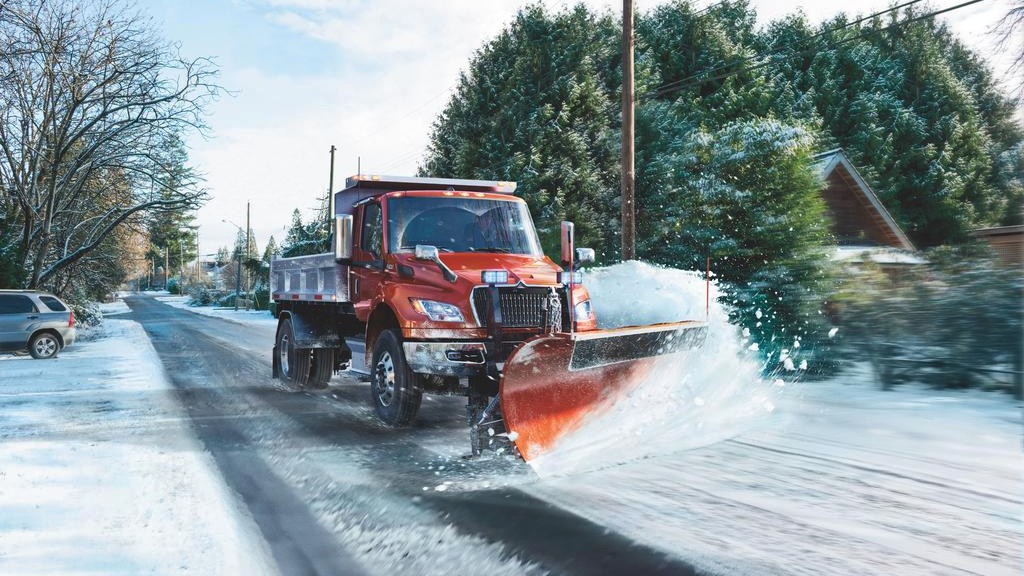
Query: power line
x=700, y=77
x=670, y=86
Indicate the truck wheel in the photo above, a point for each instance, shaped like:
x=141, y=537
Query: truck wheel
x=294, y=362
x=322, y=368
x=393, y=390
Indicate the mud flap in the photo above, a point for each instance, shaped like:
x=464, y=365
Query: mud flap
x=552, y=384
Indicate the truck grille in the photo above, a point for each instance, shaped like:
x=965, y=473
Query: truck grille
x=520, y=307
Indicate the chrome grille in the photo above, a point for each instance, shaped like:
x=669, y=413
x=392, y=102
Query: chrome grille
x=520, y=307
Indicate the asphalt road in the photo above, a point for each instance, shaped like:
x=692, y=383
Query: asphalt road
x=335, y=492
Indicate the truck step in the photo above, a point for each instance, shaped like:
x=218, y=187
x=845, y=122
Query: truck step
x=358, y=363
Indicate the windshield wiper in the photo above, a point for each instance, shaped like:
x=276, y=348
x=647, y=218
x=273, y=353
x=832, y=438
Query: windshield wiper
x=439, y=248
x=491, y=249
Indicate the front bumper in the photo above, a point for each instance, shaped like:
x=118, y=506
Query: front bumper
x=461, y=359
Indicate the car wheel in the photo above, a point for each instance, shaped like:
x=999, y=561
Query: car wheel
x=294, y=362
x=393, y=387
x=44, y=345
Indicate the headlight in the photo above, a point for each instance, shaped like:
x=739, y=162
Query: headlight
x=494, y=276
x=576, y=277
x=437, y=311
x=583, y=311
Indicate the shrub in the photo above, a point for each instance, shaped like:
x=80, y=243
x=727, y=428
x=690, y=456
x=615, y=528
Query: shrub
x=87, y=313
x=203, y=296
x=174, y=286
x=955, y=323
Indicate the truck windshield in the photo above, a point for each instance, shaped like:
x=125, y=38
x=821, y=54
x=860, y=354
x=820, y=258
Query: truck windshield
x=460, y=224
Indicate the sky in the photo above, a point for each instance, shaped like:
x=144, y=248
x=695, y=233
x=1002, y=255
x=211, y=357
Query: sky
x=369, y=77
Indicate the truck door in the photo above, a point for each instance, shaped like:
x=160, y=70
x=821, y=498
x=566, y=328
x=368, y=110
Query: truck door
x=367, y=259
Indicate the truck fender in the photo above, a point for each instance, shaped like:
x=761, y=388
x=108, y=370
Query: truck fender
x=381, y=319
x=313, y=330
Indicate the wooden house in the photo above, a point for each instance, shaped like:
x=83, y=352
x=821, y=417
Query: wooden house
x=863, y=228
x=1006, y=241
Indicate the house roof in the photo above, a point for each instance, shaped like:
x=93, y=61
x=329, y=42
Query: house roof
x=996, y=231
x=827, y=163
x=878, y=254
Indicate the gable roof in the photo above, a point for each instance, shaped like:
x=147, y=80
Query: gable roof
x=835, y=163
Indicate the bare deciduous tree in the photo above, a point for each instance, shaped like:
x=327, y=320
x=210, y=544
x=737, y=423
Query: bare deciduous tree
x=1009, y=34
x=93, y=105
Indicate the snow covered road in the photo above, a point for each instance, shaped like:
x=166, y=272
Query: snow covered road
x=835, y=479
x=334, y=491
x=844, y=480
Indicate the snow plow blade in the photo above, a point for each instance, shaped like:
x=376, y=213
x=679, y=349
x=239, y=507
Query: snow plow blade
x=553, y=384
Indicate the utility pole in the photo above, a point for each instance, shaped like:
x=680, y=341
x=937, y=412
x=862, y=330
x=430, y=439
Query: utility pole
x=181, y=265
x=248, y=255
x=628, y=176
x=167, y=264
x=330, y=195
x=238, y=275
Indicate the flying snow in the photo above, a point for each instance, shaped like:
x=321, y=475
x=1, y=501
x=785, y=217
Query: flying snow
x=691, y=399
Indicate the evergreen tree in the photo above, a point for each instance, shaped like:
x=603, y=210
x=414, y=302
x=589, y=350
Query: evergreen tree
x=727, y=119
x=745, y=197
x=271, y=251
x=916, y=110
x=539, y=105
x=305, y=238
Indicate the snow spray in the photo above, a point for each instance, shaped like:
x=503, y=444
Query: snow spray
x=691, y=399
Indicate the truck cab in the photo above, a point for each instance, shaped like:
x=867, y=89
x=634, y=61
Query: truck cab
x=431, y=284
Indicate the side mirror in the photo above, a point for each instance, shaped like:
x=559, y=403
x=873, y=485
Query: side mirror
x=343, y=237
x=585, y=255
x=567, y=242
x=425, y=252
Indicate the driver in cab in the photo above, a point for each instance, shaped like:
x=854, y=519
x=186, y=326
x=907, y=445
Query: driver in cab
x=483, y=234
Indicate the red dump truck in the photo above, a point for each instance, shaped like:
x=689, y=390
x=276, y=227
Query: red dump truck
x=441, y=286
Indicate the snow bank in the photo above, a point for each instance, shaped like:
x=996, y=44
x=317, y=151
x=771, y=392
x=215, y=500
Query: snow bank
x=100, y=472
x=691, y=400
x=114, y=308
x=242, y=316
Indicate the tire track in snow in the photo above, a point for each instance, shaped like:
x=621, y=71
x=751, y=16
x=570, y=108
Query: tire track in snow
x=312, y=444
x=881, y=471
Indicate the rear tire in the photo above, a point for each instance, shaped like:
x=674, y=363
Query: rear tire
x=394, y=392
x=322, y=369
x=294, y=362
x=43, y=346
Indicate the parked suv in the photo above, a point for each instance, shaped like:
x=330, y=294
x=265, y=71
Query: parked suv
x=35, y=321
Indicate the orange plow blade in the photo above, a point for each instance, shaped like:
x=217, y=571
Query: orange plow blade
x=553, y=384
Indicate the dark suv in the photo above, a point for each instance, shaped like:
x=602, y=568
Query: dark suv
x=34, y=321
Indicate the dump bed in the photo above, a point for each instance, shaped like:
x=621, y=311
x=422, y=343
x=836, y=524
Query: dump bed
x=313, y=278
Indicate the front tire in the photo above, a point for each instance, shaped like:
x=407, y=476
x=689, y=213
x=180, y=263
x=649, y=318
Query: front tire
x=44, y=346
x=394, y=392
x=294, y=362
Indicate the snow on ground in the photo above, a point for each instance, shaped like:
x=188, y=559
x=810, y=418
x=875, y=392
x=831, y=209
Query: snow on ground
x=114, y=308
x=100, y=473
x=251, y=317
x=847, y=479
x=765, y=476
